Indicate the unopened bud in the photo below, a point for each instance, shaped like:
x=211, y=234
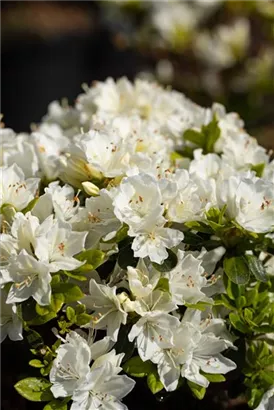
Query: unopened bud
x=90, y=188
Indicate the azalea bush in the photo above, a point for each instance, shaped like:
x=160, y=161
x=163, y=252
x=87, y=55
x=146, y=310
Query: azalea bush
x=137, y=246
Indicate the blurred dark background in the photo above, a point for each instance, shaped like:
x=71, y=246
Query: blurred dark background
x=48, y=50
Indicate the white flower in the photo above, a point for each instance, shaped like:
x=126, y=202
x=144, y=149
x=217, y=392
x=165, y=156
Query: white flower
x=53, y=242
x=209, y=344
x=267, y=401
x=102, y=388
x=153, y=241
x=59, y=245
x=58, y=199
x=204, y=166
x=187, y=279
x=98, y=217
x=106, y=151
x=170, y=360
x=50, y=144
x=250, y=201
x=186, y=204
x=10, y=323
x=230, y=125
x=243, y=151
x=142, y=279
x=138, y=202
x=15, y=190
x=31, y=278
x=18, y=149
x=153, y=332
x=71, y=365
x=66, y=117
x=107, y=311
x=90, y=388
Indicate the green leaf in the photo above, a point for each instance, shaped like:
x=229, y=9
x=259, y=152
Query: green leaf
x=55, y=405
x=241, y=302
x=238, y=324
x=34, y=338
x=92, y=257
x=198, y=391
x=126, y=257
x=258, y=169
x=34, y=389
x=82, y=319
x=256, y=267
x=76, y=275
x=237, y=270
x=71, y=292
x=195, y=137
x=135, y=367
x=214, y=378
x=57, y=301
x=70, y=312
x=42, y=310
x=36, y=363
x=153, y=382
x=41, y=320
x=211, y=133
x=199, y=226
x=223, y=300
x=232, y=290
x=168, y=263
x=163, y=285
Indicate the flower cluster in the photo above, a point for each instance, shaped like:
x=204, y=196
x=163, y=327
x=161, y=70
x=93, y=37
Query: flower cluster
x=142, y=224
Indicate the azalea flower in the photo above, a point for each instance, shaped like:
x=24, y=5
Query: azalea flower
x=90, y=387
x=187, y=279
x=15, y=190
x=153, y=331
x=249, y=201
x=107, y=310
x=30, y=278
x=142, y=279
x=10, y=323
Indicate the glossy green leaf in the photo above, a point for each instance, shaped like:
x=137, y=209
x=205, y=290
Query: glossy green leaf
x=214, y=378
x=56, y=405
x=70, y=312
x=36, y=363
x=256, y=267
x=153, y=382
x=238, y=324
x=135, y=367
x=71, y=292
x=198, y=391
x=34, y=389
x=237, y=270
x=93, y=257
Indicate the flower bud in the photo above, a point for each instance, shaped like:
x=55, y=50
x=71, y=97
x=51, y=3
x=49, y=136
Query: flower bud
x=90, y=188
